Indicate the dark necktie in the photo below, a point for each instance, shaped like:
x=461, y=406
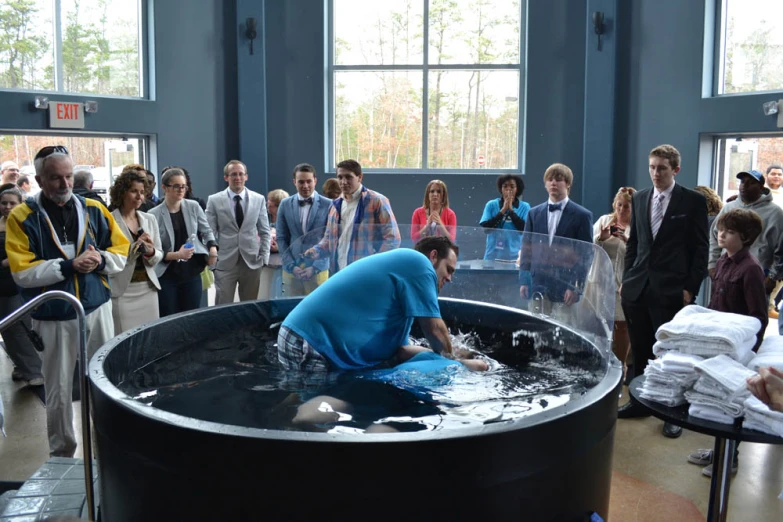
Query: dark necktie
x=555, y=207
x=307, y=201
x=238, y=212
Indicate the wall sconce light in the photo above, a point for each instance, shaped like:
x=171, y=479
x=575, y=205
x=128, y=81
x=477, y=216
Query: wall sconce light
x=91, y=106
x=41, y=102
x=770, y=108
x=251, y=32
x=599, y=26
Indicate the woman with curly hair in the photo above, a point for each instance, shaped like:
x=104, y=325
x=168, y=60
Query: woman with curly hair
x=714, y=203
x=134, y=291
x=434, y=217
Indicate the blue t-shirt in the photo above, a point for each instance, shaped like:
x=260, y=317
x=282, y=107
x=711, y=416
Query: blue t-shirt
x=501, y=244
x=360, y=316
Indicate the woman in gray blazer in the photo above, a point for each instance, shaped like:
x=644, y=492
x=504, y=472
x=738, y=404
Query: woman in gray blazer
x=134, y=291
x=179, y=220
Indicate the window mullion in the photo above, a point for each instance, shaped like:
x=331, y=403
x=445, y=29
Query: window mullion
x=425, y=99
x=58, y=46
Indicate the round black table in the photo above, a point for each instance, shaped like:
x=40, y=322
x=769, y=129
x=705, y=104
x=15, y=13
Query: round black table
x=726, y=438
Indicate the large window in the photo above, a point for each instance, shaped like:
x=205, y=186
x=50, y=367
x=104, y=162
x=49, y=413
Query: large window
x=426, y=84
x=75, y=46
x=750, y=46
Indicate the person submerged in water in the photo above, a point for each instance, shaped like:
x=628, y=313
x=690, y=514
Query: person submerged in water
x=362, y=316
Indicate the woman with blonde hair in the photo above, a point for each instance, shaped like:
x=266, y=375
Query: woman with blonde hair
x=434, y=217
x=134, y=291
x=269, y=271
x=611, y=233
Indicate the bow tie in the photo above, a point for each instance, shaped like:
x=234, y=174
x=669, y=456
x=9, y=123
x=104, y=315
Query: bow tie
x=555, y=207
x=303, y=202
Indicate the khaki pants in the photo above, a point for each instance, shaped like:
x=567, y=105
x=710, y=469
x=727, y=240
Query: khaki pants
x=61, y=351
x=294, y=287
x=226, y=282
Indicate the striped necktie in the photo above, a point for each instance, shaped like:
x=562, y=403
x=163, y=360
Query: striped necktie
x=656, y=217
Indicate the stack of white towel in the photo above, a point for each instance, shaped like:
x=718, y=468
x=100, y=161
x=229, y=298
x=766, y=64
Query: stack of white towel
x=759, y=417
x=721, y=390
x=668, y=377
x=770, y=354
x=700, y=331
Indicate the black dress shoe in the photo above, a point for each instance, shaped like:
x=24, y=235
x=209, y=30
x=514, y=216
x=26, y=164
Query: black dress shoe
x=632, y=409
x=671, y=431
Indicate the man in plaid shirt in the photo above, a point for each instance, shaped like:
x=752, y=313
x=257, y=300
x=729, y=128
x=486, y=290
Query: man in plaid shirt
x=360, y=223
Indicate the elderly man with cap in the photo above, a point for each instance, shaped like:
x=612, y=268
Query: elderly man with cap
x=58, y=240
x=9, y=172
x=754, y=196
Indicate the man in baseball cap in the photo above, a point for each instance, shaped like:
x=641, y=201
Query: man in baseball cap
x=753, y=195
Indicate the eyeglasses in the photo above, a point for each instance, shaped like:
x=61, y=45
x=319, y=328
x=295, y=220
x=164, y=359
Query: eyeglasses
x=177, y=187
x=51, y=149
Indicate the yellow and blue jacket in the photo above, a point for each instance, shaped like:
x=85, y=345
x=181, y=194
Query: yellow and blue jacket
x=39, y=262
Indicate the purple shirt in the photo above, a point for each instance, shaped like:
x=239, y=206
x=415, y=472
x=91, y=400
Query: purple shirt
x=738, y=288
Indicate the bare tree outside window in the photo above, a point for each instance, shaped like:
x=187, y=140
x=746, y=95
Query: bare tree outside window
x=752, y=44
x=99, y=42
x=472, y=71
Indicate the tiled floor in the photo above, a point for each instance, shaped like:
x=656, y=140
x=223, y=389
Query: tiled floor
x=652, y=479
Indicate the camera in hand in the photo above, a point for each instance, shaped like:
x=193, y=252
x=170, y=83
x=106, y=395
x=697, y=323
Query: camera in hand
x=142, y=248
x=613, y=229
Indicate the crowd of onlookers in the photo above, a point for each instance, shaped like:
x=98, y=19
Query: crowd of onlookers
x=143, y=257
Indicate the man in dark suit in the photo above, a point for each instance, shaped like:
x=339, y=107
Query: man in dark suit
x=553, y=267
x=665, y=260
x=301, y=223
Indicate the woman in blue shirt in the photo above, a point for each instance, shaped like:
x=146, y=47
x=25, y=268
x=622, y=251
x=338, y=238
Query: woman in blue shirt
x=504, y=219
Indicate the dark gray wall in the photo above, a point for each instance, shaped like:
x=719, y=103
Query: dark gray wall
x=660, y=91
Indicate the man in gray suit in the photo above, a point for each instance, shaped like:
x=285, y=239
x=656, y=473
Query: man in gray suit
x=306, y=212
x=238, y=217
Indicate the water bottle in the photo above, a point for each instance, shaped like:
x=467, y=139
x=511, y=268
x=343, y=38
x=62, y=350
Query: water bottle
x=189, y=243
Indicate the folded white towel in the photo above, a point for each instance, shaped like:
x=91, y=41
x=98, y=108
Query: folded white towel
x=728, y=373
x=679, y=362
x=759, y=417
x=719, y=332
x=661, y=378
x=732, y=408
x=709, y=413
x=771, y=344
x=665, y=400
x=754, y=405
x=762, y=360
x=751, y=424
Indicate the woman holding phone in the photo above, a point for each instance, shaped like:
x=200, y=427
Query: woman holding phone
x=134, y=291
x=611, y=233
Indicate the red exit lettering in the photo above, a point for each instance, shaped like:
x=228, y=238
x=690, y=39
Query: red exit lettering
x=67, y=111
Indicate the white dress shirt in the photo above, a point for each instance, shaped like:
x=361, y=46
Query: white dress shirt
x=347, y=215
x=667, y=197
x=233, y=204
x=553, y=218
x=304, y=210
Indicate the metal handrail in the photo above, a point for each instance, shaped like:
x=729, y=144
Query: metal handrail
x=17, y=316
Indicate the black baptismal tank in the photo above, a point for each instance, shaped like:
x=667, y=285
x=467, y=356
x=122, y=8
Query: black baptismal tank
x=154, y=465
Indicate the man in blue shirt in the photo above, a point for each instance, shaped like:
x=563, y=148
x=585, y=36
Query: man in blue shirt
x=377, y=297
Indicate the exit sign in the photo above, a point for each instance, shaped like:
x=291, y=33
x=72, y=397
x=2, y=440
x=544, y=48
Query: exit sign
x=66, y=115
